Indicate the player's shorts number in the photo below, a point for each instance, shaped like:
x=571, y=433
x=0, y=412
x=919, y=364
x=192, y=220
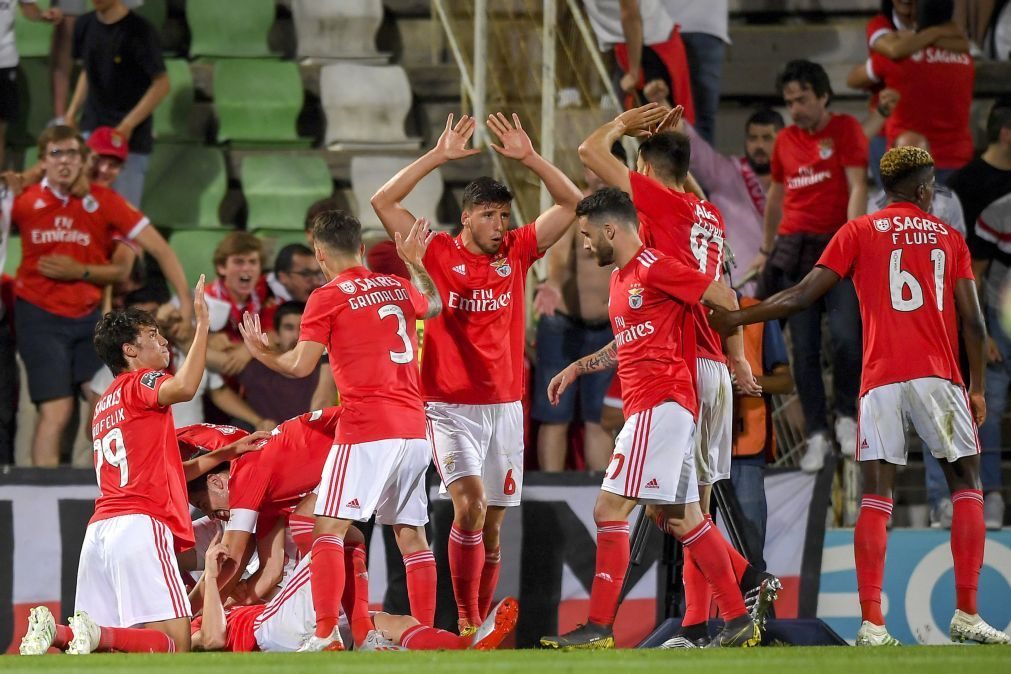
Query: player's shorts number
x=509, y=487
x=701, y=238
x=110, y=449
x=407, y=355
x=899, y=280
x=618, y=461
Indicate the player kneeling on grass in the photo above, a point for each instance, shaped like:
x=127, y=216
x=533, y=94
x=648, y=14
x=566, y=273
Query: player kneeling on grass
x=289, y=620
x=650, y=302
x=128, y=575
x=910, y=373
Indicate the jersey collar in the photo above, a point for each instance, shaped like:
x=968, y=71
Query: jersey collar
x=46, y=185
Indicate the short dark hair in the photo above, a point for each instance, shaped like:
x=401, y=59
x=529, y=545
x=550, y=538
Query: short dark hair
x=807, y=74
x=609, y=204
x=285, y=259
x=931, y=13
x=287, y=309
x=485, y=190
x=338, y=230
x=328, y=204
x=765, y=117
x=999, y=118
x=902, y=165
x=618, y=151
x=199, y=484
x=117, y=328
x=669, y=153
x=154, y=290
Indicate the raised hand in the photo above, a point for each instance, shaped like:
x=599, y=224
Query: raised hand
x=642, y=121
x=515, y=143
x=253, y=336
x=672, y=120
x=453, y=141
x=412, y=248
x=200, y=311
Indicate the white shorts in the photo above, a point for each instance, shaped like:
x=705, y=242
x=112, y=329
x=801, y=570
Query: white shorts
x=385, y=477
x=938, y=410
x=714, y=437
x=652, y=460
x=128, y=574
x=289, y=618
x=479, y=440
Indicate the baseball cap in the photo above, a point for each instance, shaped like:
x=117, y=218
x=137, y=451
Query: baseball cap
x=105, y=140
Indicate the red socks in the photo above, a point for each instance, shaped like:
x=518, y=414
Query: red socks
x=612, y=563
x=355, y=599
x=62, y=637
x=421, y=585
x=870, y=540
x=698, y=594
x=326, y=574
x=466, y=555
x=709, y=552
x=134, y=640
x=301, y=532
x=489, y=580
x=425, y=638
x=968, y=536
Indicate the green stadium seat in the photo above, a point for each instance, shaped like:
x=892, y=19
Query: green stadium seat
x=195, y=249
x=236, y=29
x=280, y=188
x=172, y=117
x=184, y=186
x=31, y=157
x=276, y=239
x=35, y=104
x=33, y=37
x=257, y=101
x=155, y=11
x=14, y=255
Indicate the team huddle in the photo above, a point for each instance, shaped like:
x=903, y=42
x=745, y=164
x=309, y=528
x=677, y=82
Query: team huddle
x=278, y=562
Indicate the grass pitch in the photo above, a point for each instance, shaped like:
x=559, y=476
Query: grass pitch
x=828, y=660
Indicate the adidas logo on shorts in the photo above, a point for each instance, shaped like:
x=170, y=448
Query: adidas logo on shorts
x=863, y=445
x=652, y=484
x=353, y=503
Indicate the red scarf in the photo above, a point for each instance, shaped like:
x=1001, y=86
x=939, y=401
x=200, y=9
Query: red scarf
x=753, y=184
x=218, y=291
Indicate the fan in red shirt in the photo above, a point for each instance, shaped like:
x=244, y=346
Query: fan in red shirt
x=365, y=321
x=128, y=573
x=913, y=275
x=472, y=374
x=654, y=459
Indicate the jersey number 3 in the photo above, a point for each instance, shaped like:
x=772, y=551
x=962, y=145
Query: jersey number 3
x=407, y=355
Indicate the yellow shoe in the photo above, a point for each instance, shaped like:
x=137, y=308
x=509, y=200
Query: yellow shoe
x=585, y=637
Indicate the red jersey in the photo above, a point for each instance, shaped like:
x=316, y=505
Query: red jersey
x=918, y=79
x=474, y=347
x=811, y=168
x=137, y=457
x=690, y=230
x=649, y=305
x=879, y=24
x=366, y=322
x=287, y=466
x=81, y=228
x=904, y=264
x=206, y=437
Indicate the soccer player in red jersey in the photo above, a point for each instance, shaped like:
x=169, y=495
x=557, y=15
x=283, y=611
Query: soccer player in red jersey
x=913, y=276
x=128, y=574
x=472, y=373
x=650, y=303
x=365, y=321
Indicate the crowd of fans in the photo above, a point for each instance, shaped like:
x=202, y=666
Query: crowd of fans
x=790, y=188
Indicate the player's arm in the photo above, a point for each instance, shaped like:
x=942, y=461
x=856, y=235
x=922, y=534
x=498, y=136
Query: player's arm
x=856, y=180
x=205, y=463
x=211, y=635
x=786, y=303
x=452, y=144
x=325, y=394
x=595, y=151
x=605, y=359
x=270, y=552
x=184, y=385
x=974, y=334
x=297, y=363
x=411, y=250
x=740, y=366
x=900, y=44
x=155, y=244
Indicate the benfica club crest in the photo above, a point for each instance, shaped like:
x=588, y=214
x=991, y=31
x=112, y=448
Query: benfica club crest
x=348, y=287
x=882, y=224
x=502, y=267
x=825, y=148
x=634, y=298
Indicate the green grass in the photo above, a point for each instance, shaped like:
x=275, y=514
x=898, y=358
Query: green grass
x=913, y=659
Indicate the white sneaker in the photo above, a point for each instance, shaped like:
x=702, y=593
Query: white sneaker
x=86, y=634
x=375, y=641
x=41, y=631
x=814, y=456
x=940, y=515
x=846, y=435
x=965, y=627
x=993, y=510
x=315, y=644
x=870, y=634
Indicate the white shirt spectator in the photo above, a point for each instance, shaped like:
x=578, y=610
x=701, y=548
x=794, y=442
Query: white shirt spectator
x=946, y=207
x=277, y=288
x=701, y=16
x=605, y=17
x=8, y=47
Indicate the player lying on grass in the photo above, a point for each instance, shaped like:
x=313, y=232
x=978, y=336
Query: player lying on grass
x=288, y=620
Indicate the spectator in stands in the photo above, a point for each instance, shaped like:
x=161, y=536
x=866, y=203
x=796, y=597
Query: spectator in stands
x=984, y=188
x=918, y=79
x=66, y=242
x=9, y=59
x=122, y=82
x=754, y=437
x=296, y=274
x=321, y=206
x=997, y=38
x=573, y=322
x=819, y=181
x=705, y=34
x=271, y=394
x=647, y=46
x=109, y=151
x=239, y=287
